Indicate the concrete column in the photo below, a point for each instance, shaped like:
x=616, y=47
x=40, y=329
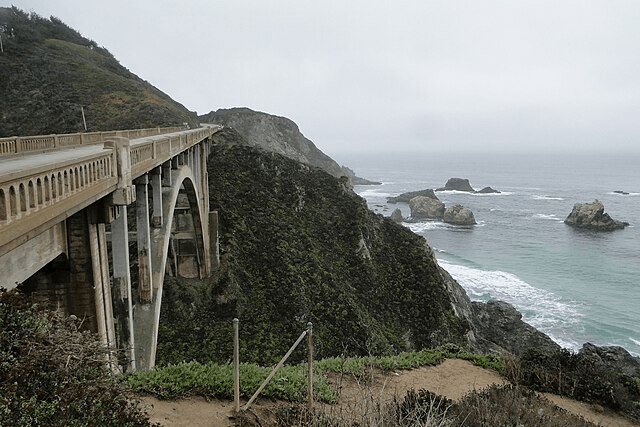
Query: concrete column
x=101, y=282
x=124, y=194
x=166, y=174
x=156, y=185
x=122, y=301
x=145, y=284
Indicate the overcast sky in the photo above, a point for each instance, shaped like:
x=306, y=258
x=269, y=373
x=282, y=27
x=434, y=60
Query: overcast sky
x=409, y=74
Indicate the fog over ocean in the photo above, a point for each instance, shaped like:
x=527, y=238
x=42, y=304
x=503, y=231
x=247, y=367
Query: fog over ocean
x=576, y=286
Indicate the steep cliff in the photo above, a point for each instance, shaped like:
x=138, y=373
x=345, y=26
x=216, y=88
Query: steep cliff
x=279, y=135
x=298, y=245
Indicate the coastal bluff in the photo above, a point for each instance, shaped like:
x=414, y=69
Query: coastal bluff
x=279, y=135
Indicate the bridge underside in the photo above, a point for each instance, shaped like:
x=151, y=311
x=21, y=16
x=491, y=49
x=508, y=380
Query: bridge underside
x=33, y=255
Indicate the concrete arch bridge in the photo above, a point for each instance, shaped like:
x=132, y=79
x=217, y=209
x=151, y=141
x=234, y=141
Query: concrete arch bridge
x=68, y=208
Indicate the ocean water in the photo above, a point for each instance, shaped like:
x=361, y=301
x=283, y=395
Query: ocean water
x=576, y=286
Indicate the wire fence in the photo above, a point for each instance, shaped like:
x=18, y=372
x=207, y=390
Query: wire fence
x=236, y=367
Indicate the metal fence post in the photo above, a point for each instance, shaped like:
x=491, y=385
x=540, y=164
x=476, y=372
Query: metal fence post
x=310, y=366
x=236, y=366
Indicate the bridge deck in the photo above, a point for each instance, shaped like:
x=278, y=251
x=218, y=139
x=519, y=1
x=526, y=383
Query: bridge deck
x=15, y=166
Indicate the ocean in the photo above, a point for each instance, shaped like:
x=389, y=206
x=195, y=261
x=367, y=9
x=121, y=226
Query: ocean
x=576, y=286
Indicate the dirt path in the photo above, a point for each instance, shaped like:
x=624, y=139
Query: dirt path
x=452, y=378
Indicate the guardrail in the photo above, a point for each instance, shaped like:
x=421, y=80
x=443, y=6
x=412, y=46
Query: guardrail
x=25, y=144
x=34, y=196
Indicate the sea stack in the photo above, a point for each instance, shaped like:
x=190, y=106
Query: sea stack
x=457, y=184
x=459, y=215
x=423, y=207
x=592, y=216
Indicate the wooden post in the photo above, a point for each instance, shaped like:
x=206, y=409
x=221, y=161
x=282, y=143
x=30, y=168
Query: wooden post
x=236, y=366
x=310, y=366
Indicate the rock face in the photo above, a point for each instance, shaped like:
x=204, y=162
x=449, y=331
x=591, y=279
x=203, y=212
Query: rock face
x=405, y=197
x=457, y=184
x=592, y=216
x=615, y=357
x=459, y=215
x=499, y=327
x=279, y=135
x=426, y=208
x=396, y=216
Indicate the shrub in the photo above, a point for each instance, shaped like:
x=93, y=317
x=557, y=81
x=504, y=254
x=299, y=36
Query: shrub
x=53, y=374
x=582, y=378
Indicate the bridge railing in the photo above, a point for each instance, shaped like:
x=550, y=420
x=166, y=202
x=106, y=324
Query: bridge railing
x=18, y=145
x=41, y=194
x=156, y=150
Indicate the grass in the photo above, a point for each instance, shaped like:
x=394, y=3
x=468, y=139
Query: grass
x=290, y=382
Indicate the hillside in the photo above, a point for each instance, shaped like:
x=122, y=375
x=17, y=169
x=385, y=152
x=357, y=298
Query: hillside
x=298, y=245
x=279, y=135
x=49, y=71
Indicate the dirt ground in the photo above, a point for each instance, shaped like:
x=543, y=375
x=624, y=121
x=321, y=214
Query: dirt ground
x=452, y=378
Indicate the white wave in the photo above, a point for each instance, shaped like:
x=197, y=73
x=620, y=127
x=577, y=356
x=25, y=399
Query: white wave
x=636, y=342
x=541, y=197
x=552, y=217
x=502, y=193
x=419, y=227
x=373, y=192
x=541, y=309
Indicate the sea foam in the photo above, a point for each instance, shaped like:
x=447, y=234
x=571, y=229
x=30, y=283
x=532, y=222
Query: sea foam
x=540, y=197
x=541, y=309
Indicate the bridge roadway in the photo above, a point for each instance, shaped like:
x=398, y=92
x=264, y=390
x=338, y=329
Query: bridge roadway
x=57, y=193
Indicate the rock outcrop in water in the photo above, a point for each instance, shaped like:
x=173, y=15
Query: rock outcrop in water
x=396, y=216
x=487, y=190
x=405, y=197
x=459, y=215
x=457, y=184
x=460, y=184
x=426, y=208
x=592, y=216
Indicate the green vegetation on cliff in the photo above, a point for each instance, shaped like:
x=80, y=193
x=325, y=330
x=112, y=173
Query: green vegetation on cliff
x=49, y=71
x=298, y=245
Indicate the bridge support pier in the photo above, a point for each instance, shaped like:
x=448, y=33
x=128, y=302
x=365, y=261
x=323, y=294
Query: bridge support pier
x=156, y=186
x=122, y=302
x=101, y=283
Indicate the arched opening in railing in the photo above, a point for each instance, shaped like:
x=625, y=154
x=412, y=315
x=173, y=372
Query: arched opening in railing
x=3, y=206
x=39, y=189
x=76, y=175
x=54, y=187
x=32, y=195
x=23, y=197
x=60, y=183
x=67, y=186
x=13, y=202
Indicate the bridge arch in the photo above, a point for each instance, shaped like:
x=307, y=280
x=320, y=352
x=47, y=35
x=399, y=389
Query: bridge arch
x=185, y=180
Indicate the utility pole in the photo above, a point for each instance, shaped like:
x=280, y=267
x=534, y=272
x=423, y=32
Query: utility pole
x=83, y=119
x=1, y=47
